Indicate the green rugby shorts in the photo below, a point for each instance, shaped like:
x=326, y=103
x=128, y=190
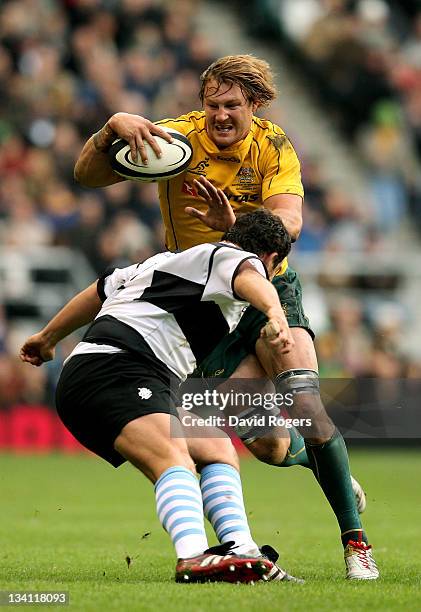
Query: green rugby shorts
x=229, y=353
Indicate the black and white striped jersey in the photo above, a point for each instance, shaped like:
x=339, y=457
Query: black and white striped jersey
x=179, y=304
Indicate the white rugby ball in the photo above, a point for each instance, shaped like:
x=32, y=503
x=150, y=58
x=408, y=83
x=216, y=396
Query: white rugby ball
x=175, y=158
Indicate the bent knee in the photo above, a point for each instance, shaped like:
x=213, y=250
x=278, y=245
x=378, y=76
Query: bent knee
x=271, y=450
x=213, y=450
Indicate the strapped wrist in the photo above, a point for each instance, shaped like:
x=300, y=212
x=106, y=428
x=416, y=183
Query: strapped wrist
x=104, y=138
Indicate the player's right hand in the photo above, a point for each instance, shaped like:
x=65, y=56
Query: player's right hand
x=135, y=129
x=278, y=335
x=36, y=350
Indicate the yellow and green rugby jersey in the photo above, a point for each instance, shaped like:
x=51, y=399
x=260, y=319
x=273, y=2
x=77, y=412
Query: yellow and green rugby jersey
x=261, y=165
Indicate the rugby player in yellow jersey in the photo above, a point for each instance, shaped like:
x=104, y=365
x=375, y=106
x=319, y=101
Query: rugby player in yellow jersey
x=241, y=162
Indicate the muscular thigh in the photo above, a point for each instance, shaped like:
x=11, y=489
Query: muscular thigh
x=306, y=405
x=153, y=443
x=302, y=355
x=271, y=446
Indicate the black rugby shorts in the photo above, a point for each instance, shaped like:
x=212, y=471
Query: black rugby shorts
x=98, y=394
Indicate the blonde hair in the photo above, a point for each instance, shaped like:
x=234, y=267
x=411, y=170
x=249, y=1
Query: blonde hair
x=251, y=74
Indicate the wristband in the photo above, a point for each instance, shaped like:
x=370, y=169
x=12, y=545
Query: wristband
x=104, y=138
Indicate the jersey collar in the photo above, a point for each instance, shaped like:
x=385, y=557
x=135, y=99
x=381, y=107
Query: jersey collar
x=240, y=148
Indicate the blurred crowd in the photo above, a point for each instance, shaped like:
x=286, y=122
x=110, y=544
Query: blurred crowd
x=363, y=60
x=66, y=66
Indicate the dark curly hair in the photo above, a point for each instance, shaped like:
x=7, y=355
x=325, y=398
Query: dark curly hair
x=260, y=232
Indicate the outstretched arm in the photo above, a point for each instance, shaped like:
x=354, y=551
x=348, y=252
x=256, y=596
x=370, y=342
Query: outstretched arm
x=220, y=215
x=78, y=312
x=93, y=168
x=260, y=293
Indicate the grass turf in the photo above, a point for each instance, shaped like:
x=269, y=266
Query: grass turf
x=72, y=523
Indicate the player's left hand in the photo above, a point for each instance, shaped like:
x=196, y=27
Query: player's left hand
x=36, y=350
x=220, y=215
x=278, y=335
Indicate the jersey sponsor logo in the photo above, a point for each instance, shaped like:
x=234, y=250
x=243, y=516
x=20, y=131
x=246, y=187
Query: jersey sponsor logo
x=244, y=197
x=234, y=160
x=189, y=189
x=200, y=167
x=144, y=393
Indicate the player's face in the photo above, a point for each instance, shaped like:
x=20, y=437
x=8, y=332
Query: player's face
x=228, y=113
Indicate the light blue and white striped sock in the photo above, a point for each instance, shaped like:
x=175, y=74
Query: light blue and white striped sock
x=223, y=505
x=180, y=511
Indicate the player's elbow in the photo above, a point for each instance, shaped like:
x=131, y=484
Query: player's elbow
x=84, y=178
x=76, y=175
x=79, y=175
x=295, y=229
x=293, y=224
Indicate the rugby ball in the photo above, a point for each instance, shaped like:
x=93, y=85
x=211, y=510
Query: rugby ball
x=175, y=158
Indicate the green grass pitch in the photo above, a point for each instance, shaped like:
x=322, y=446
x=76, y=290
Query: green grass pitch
x=72, y=523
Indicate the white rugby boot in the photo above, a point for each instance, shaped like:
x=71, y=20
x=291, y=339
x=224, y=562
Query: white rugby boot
x=359, y=562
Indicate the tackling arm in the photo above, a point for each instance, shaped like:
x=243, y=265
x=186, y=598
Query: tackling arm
x=78, y=312
x=260, y=293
